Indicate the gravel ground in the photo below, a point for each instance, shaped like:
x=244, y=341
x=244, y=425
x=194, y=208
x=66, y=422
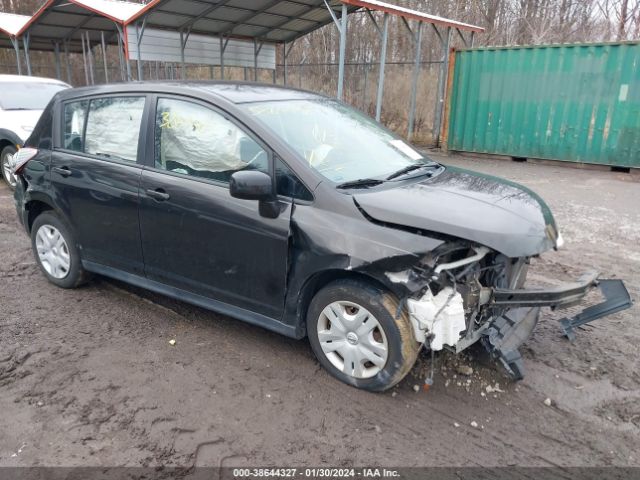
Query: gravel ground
x=88, y=377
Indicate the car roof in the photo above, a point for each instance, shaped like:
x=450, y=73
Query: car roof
x=28, y=79
x=235, y=92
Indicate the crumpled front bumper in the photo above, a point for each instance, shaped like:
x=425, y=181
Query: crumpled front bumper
x=508, y=331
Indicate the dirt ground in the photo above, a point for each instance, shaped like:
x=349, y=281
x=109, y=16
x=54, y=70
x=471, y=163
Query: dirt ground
x=88, y=377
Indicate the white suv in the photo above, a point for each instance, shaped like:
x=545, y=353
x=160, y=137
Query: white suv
x=22, y=100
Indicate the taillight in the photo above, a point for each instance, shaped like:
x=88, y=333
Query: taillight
x=21, y=157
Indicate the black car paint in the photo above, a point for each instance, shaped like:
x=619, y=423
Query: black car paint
x=265, y=275
x=501, y=215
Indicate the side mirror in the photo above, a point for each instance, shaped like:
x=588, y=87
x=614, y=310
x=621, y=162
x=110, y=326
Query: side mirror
x=251, y=185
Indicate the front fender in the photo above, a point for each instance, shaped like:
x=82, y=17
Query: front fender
x=322, y=242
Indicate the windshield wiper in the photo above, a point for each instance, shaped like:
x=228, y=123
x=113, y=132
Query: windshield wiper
x=361, y=183
x=411, y=168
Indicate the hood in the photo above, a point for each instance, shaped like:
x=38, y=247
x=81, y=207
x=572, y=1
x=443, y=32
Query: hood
x=21, y=122
x=490, y=211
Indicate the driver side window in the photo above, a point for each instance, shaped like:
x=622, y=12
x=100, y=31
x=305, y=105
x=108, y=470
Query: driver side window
x=194, y=140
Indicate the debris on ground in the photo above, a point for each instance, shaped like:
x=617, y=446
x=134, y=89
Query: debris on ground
x=172, y=342
x=465, y=370
x=474, y=424
x=494, y=389
x=547, y=402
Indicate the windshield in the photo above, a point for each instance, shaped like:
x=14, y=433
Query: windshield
x=339, y=142
x=27, y=95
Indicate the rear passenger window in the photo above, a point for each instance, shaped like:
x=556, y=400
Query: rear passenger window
x=113, y=127
x=74, y=117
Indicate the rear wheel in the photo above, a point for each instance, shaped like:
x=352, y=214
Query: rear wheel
x=5, y=159
x=56, y=252
x=354, y=333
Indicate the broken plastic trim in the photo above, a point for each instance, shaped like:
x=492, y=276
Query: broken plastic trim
x=617, y=298
x=506, y=333
x=563, y=296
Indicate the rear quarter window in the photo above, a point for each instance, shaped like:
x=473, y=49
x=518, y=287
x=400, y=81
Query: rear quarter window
x=74, y=117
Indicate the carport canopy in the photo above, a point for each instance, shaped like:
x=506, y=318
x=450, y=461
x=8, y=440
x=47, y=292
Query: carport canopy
x=10, y=26
x=276, y=21
x=66, y=21
x=76, y=24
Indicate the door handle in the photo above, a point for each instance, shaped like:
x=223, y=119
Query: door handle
x=158, y=194
x=64, y=171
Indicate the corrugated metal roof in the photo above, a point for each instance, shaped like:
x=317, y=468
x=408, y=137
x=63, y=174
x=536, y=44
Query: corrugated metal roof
x=58, y=20
x=116, y=9
x=267, y=20
x=412, y=14
x=10, y=25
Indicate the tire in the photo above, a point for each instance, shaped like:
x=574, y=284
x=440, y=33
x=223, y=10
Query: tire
x=353, y=304
x=56, y=251
x=4, y=165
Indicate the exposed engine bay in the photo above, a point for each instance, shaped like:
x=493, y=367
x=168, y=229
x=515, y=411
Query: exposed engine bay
x=465, y=293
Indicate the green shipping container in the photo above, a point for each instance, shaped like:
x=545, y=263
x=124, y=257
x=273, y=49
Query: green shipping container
x=578, y=103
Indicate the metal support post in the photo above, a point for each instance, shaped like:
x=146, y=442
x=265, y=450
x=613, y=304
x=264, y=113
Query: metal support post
x=383, y=59
x=284, y=63
x=120, y=55
x=25, y=43
x=464, y=40
x=90, y=59
x=56, y=51
x=16, y=47
x=221, y=58
x=255, y=60
x=104, y=57
x=65, y=46
x=183, y=41
x=343, y=49
x=139, y=34
x=256, y=51
x=287, y=51
x=442, y=82
x=84, y=61
x=125, y=67
x=414, y=82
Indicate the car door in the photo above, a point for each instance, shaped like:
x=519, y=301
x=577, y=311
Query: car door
x=95, y=177
x=195, y=236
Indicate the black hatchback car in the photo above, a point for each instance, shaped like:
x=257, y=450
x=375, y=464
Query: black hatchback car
x=291, y=211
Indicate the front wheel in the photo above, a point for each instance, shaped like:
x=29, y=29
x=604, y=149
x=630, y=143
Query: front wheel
x=355, y=335
x=5, y=159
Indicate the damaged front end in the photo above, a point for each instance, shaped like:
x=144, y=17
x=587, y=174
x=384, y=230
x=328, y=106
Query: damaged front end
x=462, y=294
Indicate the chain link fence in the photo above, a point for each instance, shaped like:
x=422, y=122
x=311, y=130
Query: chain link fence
x=360, y=87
